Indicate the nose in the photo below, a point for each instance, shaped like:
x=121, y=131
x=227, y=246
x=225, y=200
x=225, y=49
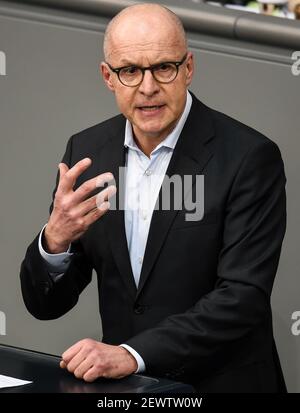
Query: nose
x=149, y=85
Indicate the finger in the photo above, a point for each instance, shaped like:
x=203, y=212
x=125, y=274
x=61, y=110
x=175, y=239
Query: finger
x=83, y=368
x=76, y=361
x=105, y=195
x=91, y=375
x=63, y=169
x=86, y=206
x=71, y=352
x=103, y=179
x=62, y=364
x=69, y=178
x=87, y=187
x=91, y=203
x=96, y=213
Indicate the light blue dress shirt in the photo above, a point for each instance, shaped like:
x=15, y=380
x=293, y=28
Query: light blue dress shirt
x=143, y=180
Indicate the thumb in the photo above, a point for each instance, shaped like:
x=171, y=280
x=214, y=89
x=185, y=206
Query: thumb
x=63, y=169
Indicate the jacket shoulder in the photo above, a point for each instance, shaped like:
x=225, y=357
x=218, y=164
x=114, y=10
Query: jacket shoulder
x=88, y=142
x=229, y=132
x=234, y=140
x=98, y=134
x=237, y=134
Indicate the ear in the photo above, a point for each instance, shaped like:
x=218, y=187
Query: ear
x=189, y=68
x=107, y=76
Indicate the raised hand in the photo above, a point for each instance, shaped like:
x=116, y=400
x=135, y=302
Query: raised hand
x=74, y=211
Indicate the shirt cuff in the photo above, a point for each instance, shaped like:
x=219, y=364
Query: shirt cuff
x=56, y=263
x=140, y=362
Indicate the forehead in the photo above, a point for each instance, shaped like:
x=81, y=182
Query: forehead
x=145, y=54
x=146, y=38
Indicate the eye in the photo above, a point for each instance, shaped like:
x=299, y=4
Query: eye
x=130, y=70
x=164, y=67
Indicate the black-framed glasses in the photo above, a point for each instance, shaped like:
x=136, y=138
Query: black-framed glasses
x=164, y=72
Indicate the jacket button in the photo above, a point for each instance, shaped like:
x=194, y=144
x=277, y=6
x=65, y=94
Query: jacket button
x=139, y=309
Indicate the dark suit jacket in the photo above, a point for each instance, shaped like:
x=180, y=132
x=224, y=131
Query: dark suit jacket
x=201, y=313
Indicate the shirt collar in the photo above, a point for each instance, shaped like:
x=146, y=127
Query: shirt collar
x=171, y=140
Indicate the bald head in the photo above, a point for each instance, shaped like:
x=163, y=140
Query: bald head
x=147, y=22
x=148, y=68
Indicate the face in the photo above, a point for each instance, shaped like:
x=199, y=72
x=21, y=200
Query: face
x=152, y=108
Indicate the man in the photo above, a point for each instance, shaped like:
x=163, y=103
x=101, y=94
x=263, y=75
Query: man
x=184, y=299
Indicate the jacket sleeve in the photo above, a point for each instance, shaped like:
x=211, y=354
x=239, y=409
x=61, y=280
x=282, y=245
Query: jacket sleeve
x=43, y=298
x=254, y=228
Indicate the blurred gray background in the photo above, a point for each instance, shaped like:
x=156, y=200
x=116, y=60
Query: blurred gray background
x=53, y=89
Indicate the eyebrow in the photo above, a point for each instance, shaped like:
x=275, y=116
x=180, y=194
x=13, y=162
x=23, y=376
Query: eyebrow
x=125, y=63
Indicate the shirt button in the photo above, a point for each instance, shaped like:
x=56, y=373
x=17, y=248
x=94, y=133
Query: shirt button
x=148, y=172
x=66, y=260
x=140, y=260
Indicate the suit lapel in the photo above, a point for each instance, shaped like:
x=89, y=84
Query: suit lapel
x=111, y=158
x=190, y=156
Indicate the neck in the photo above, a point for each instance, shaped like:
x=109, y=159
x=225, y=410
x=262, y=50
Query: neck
x=147, y=144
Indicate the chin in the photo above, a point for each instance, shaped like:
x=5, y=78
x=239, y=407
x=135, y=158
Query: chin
x=154, y=128
x=154, y=132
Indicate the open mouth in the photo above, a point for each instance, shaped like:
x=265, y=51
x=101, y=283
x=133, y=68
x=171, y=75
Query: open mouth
x=149, y=108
